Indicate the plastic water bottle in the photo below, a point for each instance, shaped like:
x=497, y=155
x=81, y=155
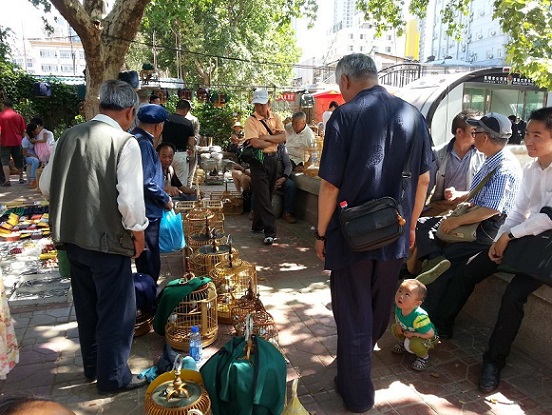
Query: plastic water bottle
x=196, y=350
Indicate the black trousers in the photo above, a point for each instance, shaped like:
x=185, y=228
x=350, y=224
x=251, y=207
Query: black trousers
x=510, y=315
x=105, y=306
x=149, y=261
x=362, y=298
x=263, y=177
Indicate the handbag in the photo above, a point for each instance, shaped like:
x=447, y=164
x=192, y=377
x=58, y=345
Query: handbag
x=171, y=234
x=463, y=233
x=377, y=222
x=530, y=255
x=373, y=224
x=248, y=153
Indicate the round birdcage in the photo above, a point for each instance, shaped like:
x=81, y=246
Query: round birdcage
x=206, y=257
x=209, y=234
x=178, y=396
x=248, y=303
x=263, y=325
x=232, y=277
x=198, y=308
x=197, y=219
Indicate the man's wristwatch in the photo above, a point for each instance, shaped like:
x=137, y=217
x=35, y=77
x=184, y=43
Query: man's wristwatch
x=510, y=236
x=318, y=236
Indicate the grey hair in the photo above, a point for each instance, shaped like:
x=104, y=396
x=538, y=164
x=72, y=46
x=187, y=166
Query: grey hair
x=357, y=67
x=299, y=114
x=117, y=95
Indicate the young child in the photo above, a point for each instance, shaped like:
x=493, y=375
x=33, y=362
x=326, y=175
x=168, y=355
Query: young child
x=412, y=325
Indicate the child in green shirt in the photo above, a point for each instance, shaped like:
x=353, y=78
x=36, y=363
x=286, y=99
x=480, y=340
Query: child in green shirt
x=412, y=325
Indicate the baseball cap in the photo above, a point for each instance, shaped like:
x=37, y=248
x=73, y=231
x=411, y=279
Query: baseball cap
x=260, y=96
x=497, y=125
x=237, y=124
x=152, y=114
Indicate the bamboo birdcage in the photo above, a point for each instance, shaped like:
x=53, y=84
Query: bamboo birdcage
x=198, y=308
x=249, y=303
x=263, y=325
x=205, y=259
x=179, y=392
x=231, y=278
x=232, y=202
x=210, y=233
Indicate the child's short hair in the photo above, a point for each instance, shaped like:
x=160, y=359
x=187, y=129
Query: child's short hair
x=421, y=289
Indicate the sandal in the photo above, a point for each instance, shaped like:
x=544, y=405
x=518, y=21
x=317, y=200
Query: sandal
x=420, y=363
x=398, y=348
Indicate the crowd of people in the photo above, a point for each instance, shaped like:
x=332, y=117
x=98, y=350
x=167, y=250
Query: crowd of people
x=106, y=212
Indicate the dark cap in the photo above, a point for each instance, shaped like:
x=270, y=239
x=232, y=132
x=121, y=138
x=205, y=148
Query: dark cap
x=495, y=124
x=152, y=114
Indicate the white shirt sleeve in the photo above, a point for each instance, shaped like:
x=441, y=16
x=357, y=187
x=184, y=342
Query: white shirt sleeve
x=46, y=176
x=130, y=185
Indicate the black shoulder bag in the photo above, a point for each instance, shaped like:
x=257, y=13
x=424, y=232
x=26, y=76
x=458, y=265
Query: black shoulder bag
x=249, y=154
x=377, y=222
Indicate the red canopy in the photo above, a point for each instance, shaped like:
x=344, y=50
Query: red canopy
x=322, y=102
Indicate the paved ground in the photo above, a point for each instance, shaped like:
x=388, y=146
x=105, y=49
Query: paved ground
x=294, y=288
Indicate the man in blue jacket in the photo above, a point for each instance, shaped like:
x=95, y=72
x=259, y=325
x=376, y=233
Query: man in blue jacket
x=151, y=118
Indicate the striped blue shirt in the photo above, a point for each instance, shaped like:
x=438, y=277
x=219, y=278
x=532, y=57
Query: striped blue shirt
x=499, y=193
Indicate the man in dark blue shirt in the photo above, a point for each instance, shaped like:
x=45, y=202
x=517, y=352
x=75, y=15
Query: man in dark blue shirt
x=366, y=145
x=151, y=118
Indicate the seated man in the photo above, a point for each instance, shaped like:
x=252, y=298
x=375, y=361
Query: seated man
x=298, y=137
x=494, y=201
x=525, y=219
x=451, y=176
x=456, y=162
x=173, y=185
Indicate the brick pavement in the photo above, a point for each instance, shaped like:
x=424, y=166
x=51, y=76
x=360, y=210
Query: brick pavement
x=294, y=288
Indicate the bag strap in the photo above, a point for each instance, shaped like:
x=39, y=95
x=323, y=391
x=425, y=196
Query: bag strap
x=475, y=191
x=407, y=171
x=265, y=126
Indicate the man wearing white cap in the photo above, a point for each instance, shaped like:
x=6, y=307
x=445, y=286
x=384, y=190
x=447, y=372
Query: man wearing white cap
x=264, y=130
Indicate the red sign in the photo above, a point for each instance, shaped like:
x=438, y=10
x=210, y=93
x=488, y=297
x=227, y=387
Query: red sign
x=288, y=96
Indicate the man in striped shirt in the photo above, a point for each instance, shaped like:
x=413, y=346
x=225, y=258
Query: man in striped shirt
x=494, y=201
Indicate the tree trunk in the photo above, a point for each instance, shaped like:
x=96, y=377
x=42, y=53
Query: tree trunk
x=105, y=39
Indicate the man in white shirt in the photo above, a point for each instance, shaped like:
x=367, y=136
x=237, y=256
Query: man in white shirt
x=525, y=219
x=95, y=185
x=299, y=136
x=327, y=114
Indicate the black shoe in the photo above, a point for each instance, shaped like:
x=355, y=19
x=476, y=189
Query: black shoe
x=134, y=383
x=490, y=377
x=257, y=230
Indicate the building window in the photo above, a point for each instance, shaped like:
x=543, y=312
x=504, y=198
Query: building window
x=350, y=48
x=389, y=37
x=49, y=68
x=65, y=54
x=351, y=36
x=67, y=68
x=362, y=48
x=81, y=54
x=48, y=53
x=362, y=36
x=388, y=49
